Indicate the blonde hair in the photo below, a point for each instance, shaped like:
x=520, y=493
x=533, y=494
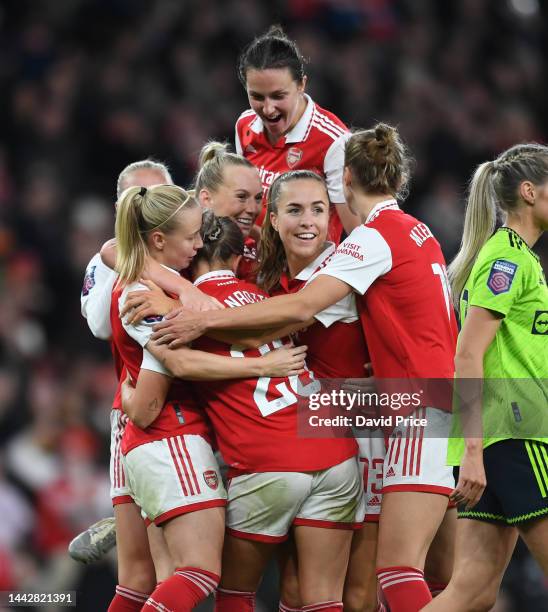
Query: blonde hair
x=214, y=158
x=494, y=190
x=140, y=211
x=143, y=164
x=272, y=256
x=378, y=161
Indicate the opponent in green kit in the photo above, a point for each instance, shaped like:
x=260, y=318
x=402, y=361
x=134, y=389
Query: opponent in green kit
x=501, y=378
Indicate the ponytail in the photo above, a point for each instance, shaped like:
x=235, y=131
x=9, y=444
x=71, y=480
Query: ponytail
x=479, y=224
x=131, y=247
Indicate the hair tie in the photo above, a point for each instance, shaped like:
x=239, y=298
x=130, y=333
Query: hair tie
x=142, y=191
x=215, y=233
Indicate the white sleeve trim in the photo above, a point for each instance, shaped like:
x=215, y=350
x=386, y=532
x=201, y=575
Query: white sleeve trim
x=96, y=295
x=333, y=165
x=237, y=142
x=142, y=331
x=151, y=363
x=360, y=259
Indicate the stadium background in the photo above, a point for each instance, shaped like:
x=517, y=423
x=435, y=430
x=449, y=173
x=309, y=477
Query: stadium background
x=91, y=85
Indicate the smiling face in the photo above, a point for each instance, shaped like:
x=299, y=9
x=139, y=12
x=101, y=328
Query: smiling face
x=238, y=197
x=177, y=248
x=301, y=221
x=277, y=98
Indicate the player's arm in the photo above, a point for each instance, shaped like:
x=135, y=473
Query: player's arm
x=478, y=332
x=191, y=297
x=152, y=301
x=285, y=310
x=143, y=401
x=192, y=364
x=95, y=297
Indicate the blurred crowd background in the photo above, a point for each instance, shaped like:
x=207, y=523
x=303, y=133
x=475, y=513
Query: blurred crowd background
x=89, y=86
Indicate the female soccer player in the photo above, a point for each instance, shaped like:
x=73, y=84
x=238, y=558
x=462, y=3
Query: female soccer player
x=293, y=247
x=502, y=487
x=277, y=480
x=170, y=467
x=230, y=186
x=285, y=129
x=395, y=265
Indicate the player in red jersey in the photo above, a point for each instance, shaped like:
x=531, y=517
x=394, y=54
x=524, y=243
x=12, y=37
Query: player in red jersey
x=312, y=485
x=138, y=572
x=170, y=467
x=293, y=247
x=230, y=186
x=396, y=267
x=285, y=129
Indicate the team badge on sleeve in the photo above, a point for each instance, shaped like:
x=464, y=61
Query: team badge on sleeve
x=501, y=276
x=540, y=323
x=89, y=281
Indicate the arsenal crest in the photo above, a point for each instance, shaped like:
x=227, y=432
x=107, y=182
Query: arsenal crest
x=211, y=479
x=294, y=156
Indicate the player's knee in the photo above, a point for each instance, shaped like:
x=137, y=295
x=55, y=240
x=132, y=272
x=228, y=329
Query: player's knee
x=138, y=576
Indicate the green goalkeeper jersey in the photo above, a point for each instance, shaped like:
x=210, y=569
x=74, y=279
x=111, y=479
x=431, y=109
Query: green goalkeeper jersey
x=508, y=279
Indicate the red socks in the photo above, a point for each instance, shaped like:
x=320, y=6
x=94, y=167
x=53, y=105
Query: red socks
x=234, y=601
x=127, y=600
x=404, y=588
x=183, y=591
x=324, y=606
x=435, y=587
x=284, y=608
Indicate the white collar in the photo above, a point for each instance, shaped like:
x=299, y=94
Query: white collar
x=390, y=204
x=214, y=275
x=306, y=273
x=299, y=130
x=170, y=269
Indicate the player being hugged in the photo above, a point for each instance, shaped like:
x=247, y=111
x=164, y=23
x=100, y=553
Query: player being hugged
x=171, y=470
x=285, y=129
x=395, y=266
x=230, y=186
x=502, y=487
x=278, y=481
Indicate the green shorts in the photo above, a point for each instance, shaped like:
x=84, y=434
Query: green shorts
x=517, y=483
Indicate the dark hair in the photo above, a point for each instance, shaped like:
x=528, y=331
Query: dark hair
x=272, y=257
x=378, y=160
x=222, y=238
x=272, y=50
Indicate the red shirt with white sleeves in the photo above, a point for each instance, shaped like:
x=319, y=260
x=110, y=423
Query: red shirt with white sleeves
x=397, y=268
x=255, y=419
x=344, y=331
x=181, y=413
x=315, y=143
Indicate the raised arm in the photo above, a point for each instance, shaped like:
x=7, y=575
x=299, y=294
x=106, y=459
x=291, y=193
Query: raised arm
x=297, y=308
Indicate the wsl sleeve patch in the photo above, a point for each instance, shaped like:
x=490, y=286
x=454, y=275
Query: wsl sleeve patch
x=89, y=281
x=501, y=276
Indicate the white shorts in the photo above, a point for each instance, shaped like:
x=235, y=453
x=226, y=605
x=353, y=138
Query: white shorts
x=174, y=476
x=416, y=455
x=263, y=506
x=119, y=490
x=372, y=455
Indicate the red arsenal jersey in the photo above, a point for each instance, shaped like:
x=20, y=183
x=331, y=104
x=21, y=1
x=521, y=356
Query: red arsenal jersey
x=315, y=143
x=397, y=267
x=248, y=262
x=255, y=419
x=180, y=414
x=345, y=333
